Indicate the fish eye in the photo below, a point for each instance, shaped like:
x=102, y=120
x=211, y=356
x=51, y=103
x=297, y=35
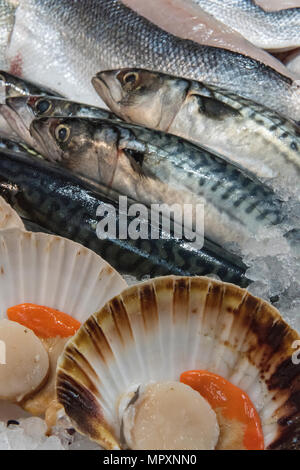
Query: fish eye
x=129, y=78
x=42, y=106
x=62, y=133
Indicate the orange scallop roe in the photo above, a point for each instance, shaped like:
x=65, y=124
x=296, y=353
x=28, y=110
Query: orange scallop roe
x=45, y=322
x=233, y=403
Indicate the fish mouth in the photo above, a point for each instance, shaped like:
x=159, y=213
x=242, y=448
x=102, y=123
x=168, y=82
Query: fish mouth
x=40, y=132
x=107, y=88
x=19, y=105
x=15, y=121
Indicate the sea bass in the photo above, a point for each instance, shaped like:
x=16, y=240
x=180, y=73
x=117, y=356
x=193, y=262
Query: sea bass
x=273, y=30
x=247, y=133
x=187, y=20
x=20, y=111
x=46, y=45
x=153, y=167
x=60, y=202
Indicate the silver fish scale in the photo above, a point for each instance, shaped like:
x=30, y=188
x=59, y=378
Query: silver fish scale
x=105, y=34
x=6, y=25
x=250, y=19
x=238, y=102
x=225, y=185
x=262, y=116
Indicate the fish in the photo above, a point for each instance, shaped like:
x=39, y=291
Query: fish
x=246, y=133
x=20, y=111
x=60, y=202
x=13, y=86
x=272, y=30
x=276, y=5
x=45, y=46
x=7, y=12
x=153, y=167
x=188, y=21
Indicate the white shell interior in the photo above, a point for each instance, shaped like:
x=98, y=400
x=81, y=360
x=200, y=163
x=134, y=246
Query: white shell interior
x=55, y=272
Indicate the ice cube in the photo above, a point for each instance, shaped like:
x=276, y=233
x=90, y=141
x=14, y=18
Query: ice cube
x=51, y=443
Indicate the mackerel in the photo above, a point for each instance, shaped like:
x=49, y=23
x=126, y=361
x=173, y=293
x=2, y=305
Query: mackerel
x=153, y=167
x=60, y=202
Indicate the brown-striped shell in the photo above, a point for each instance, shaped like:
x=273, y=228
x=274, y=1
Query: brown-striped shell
x=156, y=330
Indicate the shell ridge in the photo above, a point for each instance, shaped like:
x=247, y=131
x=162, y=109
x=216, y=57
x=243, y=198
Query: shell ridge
x=65, y=293
x=225, y=332
x=91, y=380
x=76, y=371
x=95, y=332
x=137, y=326
x=149, y=309
x=199, y=289
x=114, y=335
x=8, y=272
x=84, y=274
x=81, y=410
x=210, y=314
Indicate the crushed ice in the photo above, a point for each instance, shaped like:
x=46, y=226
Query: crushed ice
x=273, y=261
x=30, y=434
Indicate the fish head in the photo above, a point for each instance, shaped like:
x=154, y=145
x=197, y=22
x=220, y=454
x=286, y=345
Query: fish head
x=140, y=96
x=40, y=106
x=47, y=106
x=12, y=85
x=32, y=107
x=87, y=146
x=18, y=117
x=19, y=105
x=20, y=111
x=52, y=135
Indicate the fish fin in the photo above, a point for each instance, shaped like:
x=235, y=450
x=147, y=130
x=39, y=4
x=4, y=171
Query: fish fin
x=214, y=108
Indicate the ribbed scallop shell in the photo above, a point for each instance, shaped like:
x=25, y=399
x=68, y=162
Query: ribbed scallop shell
x=54, y=271
x=156, y=330
x=8, y=216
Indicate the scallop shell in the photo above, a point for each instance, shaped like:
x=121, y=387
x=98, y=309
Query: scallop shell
x=156, y=330
x=8, y=216
x=54, y=271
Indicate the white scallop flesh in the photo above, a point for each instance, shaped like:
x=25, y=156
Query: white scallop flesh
x=170, y=415
x=24, y=361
